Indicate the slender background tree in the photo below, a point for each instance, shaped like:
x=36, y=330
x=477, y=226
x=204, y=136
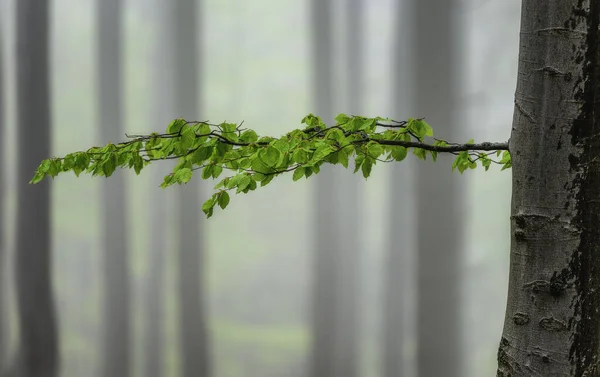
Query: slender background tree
x=38, y=338
x=158, y=251
x=193, y=326
x=116, y=318
x=326, y=271
x=435, y=69
x=346, y=207
x=398, y=320
x=3, y=176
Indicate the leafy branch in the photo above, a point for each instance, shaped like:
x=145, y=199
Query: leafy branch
x=214, y=148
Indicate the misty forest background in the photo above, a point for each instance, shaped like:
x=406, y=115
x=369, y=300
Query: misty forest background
x=330, y=277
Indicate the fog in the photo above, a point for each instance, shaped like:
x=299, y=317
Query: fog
x=255, y=270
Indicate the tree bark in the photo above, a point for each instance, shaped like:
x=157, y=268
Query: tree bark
x=193, y=325
x=117, y=339
x=438, y=193
x=346, y=200
x=38, y=351
x=399, y=274
x=552, y=323
x=3, y=251
x=162, y=108
x=325, y=300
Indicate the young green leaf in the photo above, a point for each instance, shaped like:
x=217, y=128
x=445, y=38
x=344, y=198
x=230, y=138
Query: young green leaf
x=298, y=173
x=223, y=199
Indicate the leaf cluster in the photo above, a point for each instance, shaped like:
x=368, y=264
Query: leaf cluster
x=250, y=160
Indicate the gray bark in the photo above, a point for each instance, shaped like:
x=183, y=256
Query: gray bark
x=38, y=348
x=325, y=278
x=193, y=326
x=346, y=200
x=162, y=111
x=438, y=193
x=3, y=251
x=116, y=349
x=552, y=319
x=399, y=275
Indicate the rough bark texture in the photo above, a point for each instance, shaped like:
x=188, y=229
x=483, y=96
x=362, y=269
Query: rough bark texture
x=117, y=338
x=193, y=326
x=322, y=363
x=38, y=348
x=552, y=319
x=435, y=54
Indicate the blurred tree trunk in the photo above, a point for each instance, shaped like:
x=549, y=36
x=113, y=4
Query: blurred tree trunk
x=193, y=326
x=3, y=178
x=552, y=317
x=325, y=269
x=161, y=79
x=38, y=349
x=116, y=347
x=398, y=278
x=346, y=201
x=439, y=199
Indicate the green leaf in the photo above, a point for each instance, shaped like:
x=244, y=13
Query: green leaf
x=223, y=199
x=187, y=138
x=37, y=177
x=207, y=171
x=342, y=119
x=270, y=156
x=68, y=162
x=244, y=182
x=420, y=153
x=201, y=154
x=367, y=124
x=217, y=170
x=358, y=161
x=168, y=180
x=175, y=126
x=208, y=206
x=183, y=175
x=267, y=180
x=366, y=167
x=248, y=136
x=138, y=163
x=399, y=153
x=259, y=166
x=343, y=157
x=322, y=151
x=374, y=149
x=109, y=165
x=300, y=156
x=425, y=128
x=298, y=173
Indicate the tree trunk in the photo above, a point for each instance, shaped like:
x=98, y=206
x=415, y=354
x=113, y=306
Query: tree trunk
x=325, y=278
x=346, y=201
x=38, y=352
x=552, y=323
x=399, y=274
x=438, y=195
x=116, y=348
x=3, y=251
x=162, y=81
x=193, y=326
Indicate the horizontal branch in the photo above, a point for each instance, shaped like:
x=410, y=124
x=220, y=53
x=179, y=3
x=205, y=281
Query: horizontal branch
x=485, y=146
x=253, y=160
